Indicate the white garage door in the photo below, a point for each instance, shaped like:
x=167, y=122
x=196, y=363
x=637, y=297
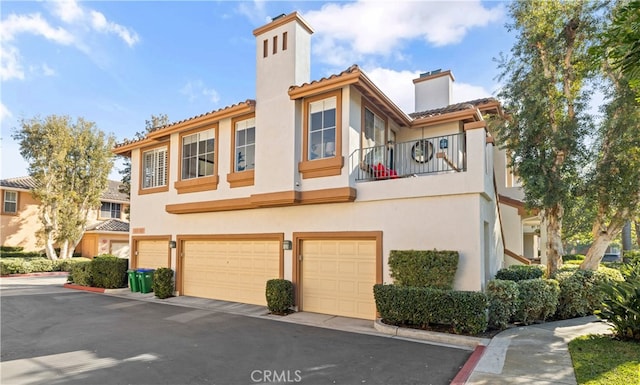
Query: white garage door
x=233, y=270
x=338, y=277
x=120, y=249
x=152, y=254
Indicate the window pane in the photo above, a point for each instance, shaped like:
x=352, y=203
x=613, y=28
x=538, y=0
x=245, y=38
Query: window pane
x=315, y=145
x=330, y=118
x=251, y=162
x=241, y=138
x=251, y=135
x=316, y=121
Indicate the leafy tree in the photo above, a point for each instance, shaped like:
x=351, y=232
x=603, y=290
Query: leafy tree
x=150, y=125
x=544, y=94
x=622, y=42
x=70, y=163
x=615, y=181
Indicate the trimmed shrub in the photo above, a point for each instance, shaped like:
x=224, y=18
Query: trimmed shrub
x=424, y=268
x=620, y=308
x=109, y=271
x=573, y=257
x=520, y=272
x=580, y=294
x=22, y=254
x=279, y=293
x=67, y=264
x=163, y=282
x=41, y=265
x=503, y=302
x=537, y=300
x=14, y=266
x=464, y=311
x=10, y=249
x=81, y=274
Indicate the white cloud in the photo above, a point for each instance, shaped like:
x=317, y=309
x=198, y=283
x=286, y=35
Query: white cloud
x=47, y=71
x=347, y=31
x=80, y=22
x=99, y=23
x=399, y=87
x=10, y=67
x=254, y=11
x=4, y=112
x=34, y=24
x=195, y=90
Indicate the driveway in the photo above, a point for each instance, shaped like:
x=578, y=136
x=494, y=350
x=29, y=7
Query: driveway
x=54, y=335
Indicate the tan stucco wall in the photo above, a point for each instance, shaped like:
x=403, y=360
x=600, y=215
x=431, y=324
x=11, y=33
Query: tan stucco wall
x=21, y=229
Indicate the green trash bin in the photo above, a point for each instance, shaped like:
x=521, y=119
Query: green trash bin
x=133, y=281
x=146, y=280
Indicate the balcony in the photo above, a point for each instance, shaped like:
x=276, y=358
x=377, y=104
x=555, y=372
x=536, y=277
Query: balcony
x=436, y=155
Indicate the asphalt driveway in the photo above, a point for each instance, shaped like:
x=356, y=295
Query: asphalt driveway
x=54, y=335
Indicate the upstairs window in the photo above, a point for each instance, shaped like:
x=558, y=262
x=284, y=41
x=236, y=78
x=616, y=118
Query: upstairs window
x=322, y=129
x=10, y=202
x=154, y=168
x=245, y=151
x=322, y=136
x=198, y=155
x=110, y=210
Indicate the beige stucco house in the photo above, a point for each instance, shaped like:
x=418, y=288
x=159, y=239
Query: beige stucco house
x=316, y=182
x=107, y=229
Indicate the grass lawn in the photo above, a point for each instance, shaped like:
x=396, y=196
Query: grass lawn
x=603, y=360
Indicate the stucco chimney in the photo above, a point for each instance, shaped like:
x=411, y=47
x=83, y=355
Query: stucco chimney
x=433, y=90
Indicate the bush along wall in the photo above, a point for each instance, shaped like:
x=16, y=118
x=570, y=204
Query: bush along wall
x=424, y=268
x=109, y=271
x=503, y=302
x=580, y=293
x=81, y=274
x=520, y=272
x=36, y=265
x=537, y=300
x=279, y=293
x=163, y=282
x=464, y=311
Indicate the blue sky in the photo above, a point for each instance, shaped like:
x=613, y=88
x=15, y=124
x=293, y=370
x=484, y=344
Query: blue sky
x=116, y=63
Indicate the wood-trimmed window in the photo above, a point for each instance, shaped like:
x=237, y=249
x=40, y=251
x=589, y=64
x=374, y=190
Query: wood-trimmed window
x=275, y=44
x=284, y=41
x=110, y=210
x=243, y=151
x=265, y=48
x=374, y=136
x=198, y=160
x=10, y=202
x=322, y=136
x=154, y=169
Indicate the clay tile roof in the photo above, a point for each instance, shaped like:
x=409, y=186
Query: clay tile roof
x=22, y=182
x=110, y=225
x=471, y=104
x=249, y=102
x=353, y=69
x=27, y=183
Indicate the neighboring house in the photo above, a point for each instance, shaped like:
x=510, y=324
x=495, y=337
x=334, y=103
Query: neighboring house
x=316, y=182
x=107, y=228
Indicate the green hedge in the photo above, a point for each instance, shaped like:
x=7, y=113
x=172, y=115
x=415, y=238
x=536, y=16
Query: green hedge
x=537, y=300
x=503, y=302
x=26, y=266
x=279, y=293
x=10, y=249
x=424, y=268
x=109, y=271
x=580, y=293
x=573, y=257
x=22, y=254
x=81, y=274
x=464, y=311
x=163, y=282
x=520, y=272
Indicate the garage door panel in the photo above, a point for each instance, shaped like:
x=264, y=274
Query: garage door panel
x=152, y=254
x=234, y=270
x=338, y=277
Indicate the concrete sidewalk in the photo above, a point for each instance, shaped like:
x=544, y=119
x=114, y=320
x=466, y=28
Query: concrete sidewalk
x=534, y=354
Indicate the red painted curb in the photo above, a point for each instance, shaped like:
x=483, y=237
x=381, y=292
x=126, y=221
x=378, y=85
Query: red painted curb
x=85, y=288
x=42, y=274
x=464, y=373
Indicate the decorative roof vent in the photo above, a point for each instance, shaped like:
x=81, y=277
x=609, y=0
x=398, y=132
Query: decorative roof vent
x=280, y=16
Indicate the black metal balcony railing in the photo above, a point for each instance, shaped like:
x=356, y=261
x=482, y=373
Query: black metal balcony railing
x=435, y=155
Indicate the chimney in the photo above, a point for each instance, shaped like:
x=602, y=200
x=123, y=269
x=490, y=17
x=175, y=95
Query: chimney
x=433, y=90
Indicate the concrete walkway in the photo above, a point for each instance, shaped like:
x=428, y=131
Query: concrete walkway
x=534, y=354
